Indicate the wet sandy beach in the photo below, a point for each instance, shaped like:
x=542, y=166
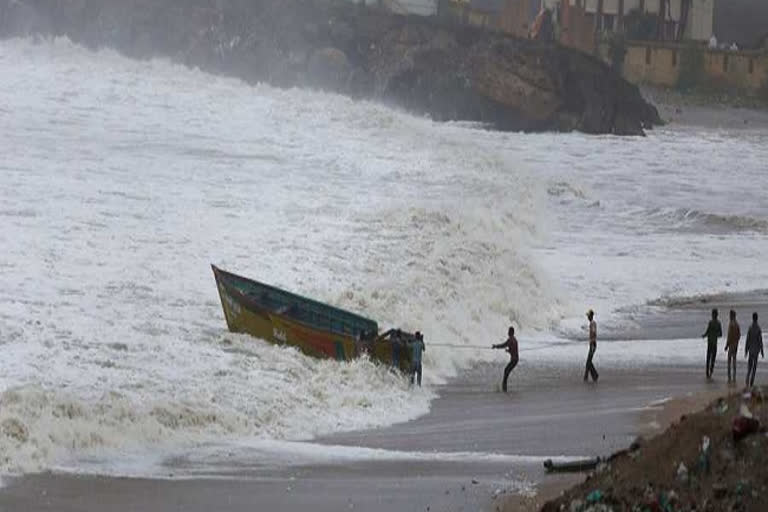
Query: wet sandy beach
x=500, y=442
x=477, y=449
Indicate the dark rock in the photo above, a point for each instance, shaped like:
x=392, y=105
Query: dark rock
x=719, y=490
x=328, y=68
x=449, y=73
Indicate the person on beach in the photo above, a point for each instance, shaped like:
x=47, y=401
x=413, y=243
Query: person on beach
x=511, y=346
x=714, y=331
x=753, y=347
x=590, y=368
x=417, y=348
x=732, y=345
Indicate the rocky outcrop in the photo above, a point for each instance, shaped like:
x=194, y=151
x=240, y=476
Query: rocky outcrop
x=449, y=73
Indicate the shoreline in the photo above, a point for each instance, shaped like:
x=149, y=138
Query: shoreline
x=707, y=111
x=652, y=422
x=545, y=415
x=548, y=413
x=702, y=461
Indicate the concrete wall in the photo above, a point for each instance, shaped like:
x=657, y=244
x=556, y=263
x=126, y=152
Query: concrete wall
x=652, y=64
x=732, y=69
x=577, y=28
x=516, y=17
x=660, y=64
x=511, y=16
x=420, y=7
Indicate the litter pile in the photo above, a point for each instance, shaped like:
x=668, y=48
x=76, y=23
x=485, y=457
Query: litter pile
x=712, y=460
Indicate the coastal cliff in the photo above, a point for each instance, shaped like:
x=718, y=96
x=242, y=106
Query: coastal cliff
x=448, y=73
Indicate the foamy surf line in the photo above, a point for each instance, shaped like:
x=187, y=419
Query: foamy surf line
x=242, y=461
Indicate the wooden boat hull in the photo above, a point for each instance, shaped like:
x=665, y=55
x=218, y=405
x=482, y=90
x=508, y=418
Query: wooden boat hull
x=245, y=313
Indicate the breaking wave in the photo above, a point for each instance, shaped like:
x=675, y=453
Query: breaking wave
x=264, y=392
x=115, y=318
x=685, y=219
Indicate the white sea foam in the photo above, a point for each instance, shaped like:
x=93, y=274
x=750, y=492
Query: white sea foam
x=243, y=389
x=122, y=180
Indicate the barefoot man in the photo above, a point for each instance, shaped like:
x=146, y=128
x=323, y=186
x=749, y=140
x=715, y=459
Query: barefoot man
x=714, y=331
x=753, y=348
x=590, y=369
x=511, y=346
x=732, y=345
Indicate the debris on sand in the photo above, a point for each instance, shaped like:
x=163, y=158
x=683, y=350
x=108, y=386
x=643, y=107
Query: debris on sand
x=711, y=460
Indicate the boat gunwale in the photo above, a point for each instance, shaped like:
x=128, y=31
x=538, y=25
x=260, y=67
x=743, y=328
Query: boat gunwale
x=252, y=304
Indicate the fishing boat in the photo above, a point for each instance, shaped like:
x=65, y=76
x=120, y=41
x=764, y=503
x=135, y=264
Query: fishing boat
x=317, y=329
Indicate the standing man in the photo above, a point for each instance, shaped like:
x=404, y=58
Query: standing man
x=732, y=345
x=714, y=331
x=417, y=348
x=753, y=347
x=511, y=346
x=590, y=368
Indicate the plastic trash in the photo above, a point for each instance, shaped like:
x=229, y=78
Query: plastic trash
x=721, y=407
x=704, y=455
x=743, y=427
x=665, y=503
x=595, y=496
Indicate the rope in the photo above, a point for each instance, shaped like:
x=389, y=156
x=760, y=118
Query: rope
x=476, y=347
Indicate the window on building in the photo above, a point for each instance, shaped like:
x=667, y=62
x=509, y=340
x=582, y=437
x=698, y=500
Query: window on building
x=648, y=55
x=609, y=21
x=725, y=62
x=674, y=58
x=670, y=30
x=751, y=66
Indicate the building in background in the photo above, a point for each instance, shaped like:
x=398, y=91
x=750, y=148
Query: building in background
x=513, y=17
x=661, y=20
x=686, y=44
x=407, y=7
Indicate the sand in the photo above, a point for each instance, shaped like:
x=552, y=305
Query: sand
x=549, y=412
x=730, y=475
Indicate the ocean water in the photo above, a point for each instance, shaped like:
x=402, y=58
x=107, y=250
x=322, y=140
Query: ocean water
x=121, y=181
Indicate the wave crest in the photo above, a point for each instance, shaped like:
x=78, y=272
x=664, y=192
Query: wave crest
x=699, y=221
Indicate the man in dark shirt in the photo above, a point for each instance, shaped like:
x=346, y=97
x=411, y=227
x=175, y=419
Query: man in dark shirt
x=417, y=348
x=589, y=369
x=511, y=346
x=732, y=345
x=754, y=346
x=714, y=331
